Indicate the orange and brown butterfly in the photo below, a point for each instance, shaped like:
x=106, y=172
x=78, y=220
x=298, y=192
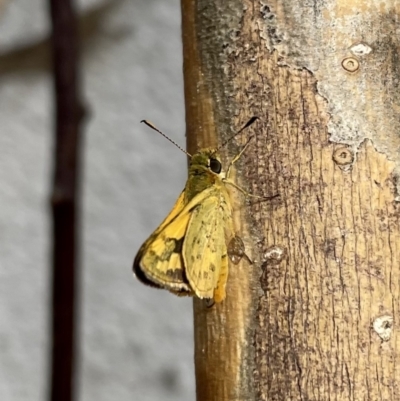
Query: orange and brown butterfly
x=188, y=253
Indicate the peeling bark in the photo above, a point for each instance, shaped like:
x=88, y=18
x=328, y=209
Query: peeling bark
x=314, y=318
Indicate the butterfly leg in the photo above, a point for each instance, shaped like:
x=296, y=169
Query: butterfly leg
x=233, y=161
x=237, y=157
x=247, y=194
x=219, y=292
x=210, y=302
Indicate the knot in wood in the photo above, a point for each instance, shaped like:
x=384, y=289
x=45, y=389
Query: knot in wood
x=343, y=156
x=350, y=64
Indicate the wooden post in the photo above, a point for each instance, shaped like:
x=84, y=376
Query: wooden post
x=314, y=317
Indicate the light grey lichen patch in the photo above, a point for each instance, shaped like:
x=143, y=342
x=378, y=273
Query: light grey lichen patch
x=383, y=326
x=361, y=49
x=364, y=102
x=274, y=254
x=270, y=30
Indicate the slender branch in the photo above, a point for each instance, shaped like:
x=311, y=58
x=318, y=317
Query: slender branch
x=64, y=196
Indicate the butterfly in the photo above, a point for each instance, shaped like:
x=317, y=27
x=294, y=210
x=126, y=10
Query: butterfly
x=188, y=253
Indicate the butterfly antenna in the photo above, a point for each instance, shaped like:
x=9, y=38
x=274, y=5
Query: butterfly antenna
x=149, y=124
x=251, y=121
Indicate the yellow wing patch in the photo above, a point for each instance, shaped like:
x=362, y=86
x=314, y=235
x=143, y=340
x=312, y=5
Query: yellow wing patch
x=159, y=262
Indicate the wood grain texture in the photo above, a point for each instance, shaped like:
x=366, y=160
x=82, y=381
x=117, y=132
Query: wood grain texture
x=314, y=318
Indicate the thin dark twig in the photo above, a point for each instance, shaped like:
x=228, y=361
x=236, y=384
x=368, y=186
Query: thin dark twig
x=64, y=197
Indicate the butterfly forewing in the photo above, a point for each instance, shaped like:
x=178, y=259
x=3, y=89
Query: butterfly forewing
x=159, y=261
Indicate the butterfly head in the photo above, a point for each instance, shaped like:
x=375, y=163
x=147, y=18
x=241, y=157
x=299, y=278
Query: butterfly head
x=206, y=161
x=205, y=170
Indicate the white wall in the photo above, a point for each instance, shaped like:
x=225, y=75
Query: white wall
x=136, y=342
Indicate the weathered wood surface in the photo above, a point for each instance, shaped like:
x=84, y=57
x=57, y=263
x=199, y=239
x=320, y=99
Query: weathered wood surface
x=314, y=318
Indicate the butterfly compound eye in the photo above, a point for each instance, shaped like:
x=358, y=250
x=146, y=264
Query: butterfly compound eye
x=215, y=166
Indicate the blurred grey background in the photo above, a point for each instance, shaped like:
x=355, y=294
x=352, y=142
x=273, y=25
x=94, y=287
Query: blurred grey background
x=135, y=342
